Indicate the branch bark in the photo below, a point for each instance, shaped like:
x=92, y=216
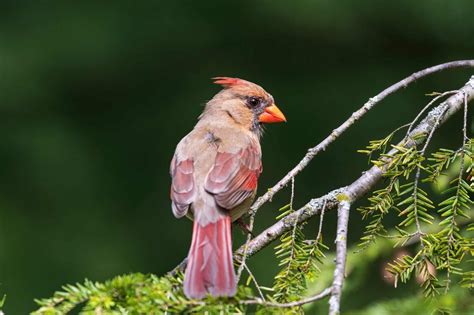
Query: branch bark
x=341, y=255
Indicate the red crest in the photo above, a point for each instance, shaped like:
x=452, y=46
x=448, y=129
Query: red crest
x=229, y=82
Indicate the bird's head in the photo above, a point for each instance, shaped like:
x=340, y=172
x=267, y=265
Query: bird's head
x=246, y=103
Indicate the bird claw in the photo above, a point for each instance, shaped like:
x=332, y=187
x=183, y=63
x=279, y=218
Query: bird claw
x=244, y=226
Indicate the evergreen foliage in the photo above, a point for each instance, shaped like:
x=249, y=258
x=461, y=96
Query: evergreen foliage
x=441, y=233
x=448, y=246
x=299, y=261
x=136, y=294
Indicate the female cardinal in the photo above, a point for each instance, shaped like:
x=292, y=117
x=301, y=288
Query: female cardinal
x=214, y=179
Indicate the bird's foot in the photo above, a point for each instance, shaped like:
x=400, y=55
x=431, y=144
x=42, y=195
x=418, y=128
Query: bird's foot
x=244, y=226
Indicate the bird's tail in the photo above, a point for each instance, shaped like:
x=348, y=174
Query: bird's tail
x=210, y=268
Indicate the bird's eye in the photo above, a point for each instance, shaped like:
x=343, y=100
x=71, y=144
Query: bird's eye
x=253, y=101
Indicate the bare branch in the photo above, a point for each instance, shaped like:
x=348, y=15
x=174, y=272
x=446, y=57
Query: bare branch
x=254, y=281
x=464, y=127
x=244, y=256
x=428, y=106
x=351, y=120
x=316, y=242
x=436, y=117
x=307, y=300
x=321, y=219
x=341, y=255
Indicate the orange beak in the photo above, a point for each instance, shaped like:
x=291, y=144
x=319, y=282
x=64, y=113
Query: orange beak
x=272, y=114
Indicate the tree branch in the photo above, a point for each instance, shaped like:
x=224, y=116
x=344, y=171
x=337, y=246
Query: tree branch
x=351, y=120
x=341, y=254
x=369, y=178
x=364, y=183
x=435, y=118
x=307, y=300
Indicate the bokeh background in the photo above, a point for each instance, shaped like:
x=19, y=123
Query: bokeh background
x=94, y=97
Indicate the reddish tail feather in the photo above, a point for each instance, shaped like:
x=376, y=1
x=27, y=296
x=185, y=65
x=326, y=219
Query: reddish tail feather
x=210, y=268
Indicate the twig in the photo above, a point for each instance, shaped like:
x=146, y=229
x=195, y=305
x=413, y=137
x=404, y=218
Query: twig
x=293, y=233
x=179, y=268
x=250, y=228
x=321, y=219
x=350, y=121
x=341, y=254
x=461, y=172
x=418, y=173
x=307, y=300
x=254, y=281
x=249, y=236
x=315, y=243
x=292, y=197
x=311, y=209
x=464, y=127
x=428, y=106
x=247, y=241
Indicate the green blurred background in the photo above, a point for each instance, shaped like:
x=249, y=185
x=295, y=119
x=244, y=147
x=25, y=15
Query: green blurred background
x=94, y=97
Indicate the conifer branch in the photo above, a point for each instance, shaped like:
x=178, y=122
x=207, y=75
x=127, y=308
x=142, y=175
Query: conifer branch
x=317, y=240
x=167, y=290
x=453, y=223
x=351, y=120
x=337, y=132
x=418, y=173
x=435, y=118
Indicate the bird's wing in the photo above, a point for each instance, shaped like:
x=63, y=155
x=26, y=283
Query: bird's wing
x=233, y=177
x=183, y=188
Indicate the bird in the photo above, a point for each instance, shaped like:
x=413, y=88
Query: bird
x=214, y=172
